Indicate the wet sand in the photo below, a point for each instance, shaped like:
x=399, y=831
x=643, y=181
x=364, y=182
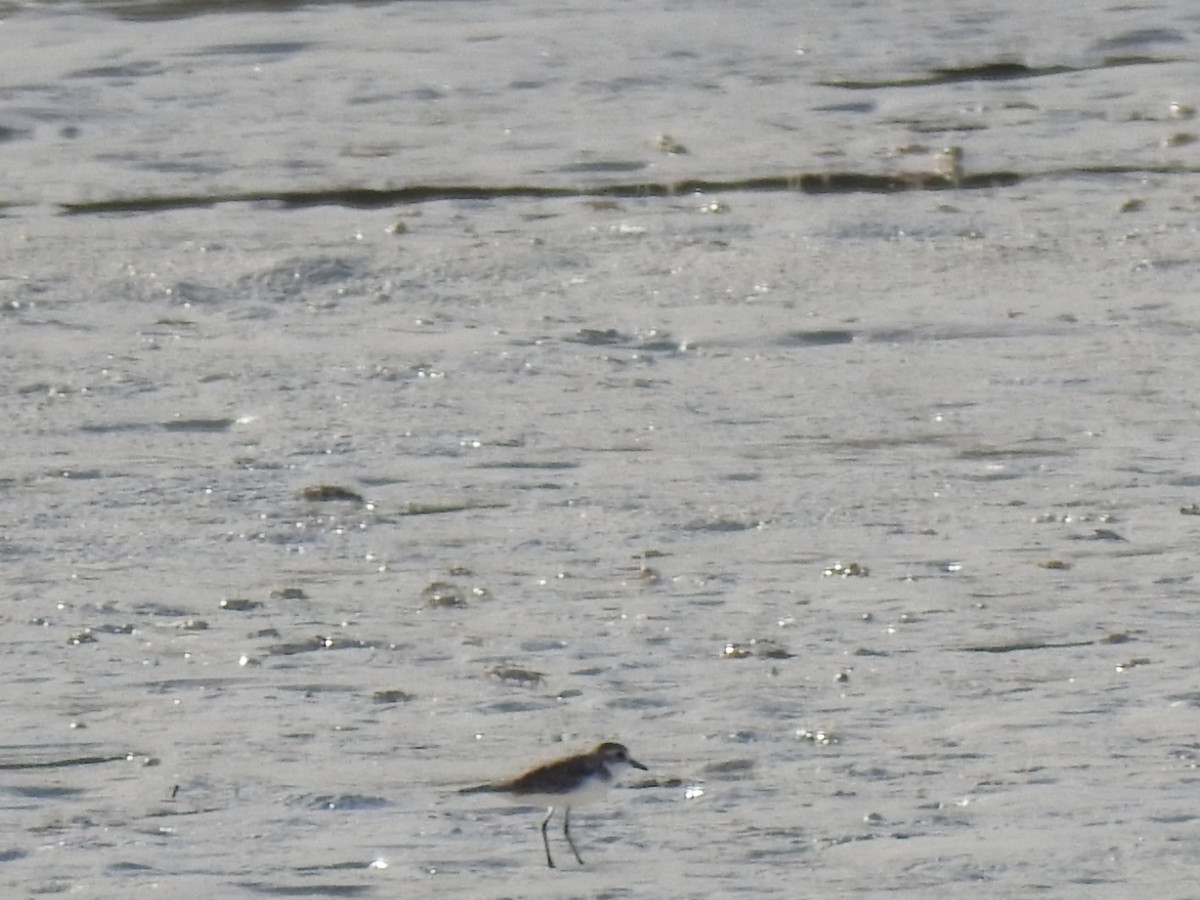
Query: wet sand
x=609, y=455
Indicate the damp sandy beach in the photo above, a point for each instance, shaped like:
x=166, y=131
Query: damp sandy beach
x=400, y=395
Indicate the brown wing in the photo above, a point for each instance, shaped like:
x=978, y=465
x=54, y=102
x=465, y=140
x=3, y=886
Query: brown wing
x=560, y=775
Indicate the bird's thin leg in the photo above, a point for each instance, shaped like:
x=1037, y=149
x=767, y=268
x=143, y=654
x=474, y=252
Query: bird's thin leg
x=546, y=841
x=567, y=834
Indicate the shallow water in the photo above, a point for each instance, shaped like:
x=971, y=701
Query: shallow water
x=630, y=432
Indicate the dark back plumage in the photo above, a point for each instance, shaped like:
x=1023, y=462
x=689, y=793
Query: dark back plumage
x=562, y=775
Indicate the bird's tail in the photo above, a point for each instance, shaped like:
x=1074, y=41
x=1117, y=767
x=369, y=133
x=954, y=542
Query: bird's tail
x=480, y=789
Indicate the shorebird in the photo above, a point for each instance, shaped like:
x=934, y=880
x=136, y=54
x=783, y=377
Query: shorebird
x=566, y=782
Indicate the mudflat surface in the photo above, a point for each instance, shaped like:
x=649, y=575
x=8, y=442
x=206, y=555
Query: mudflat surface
x=602, y=456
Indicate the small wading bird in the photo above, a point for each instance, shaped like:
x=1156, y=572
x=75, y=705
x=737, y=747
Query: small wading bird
x=570, y=781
